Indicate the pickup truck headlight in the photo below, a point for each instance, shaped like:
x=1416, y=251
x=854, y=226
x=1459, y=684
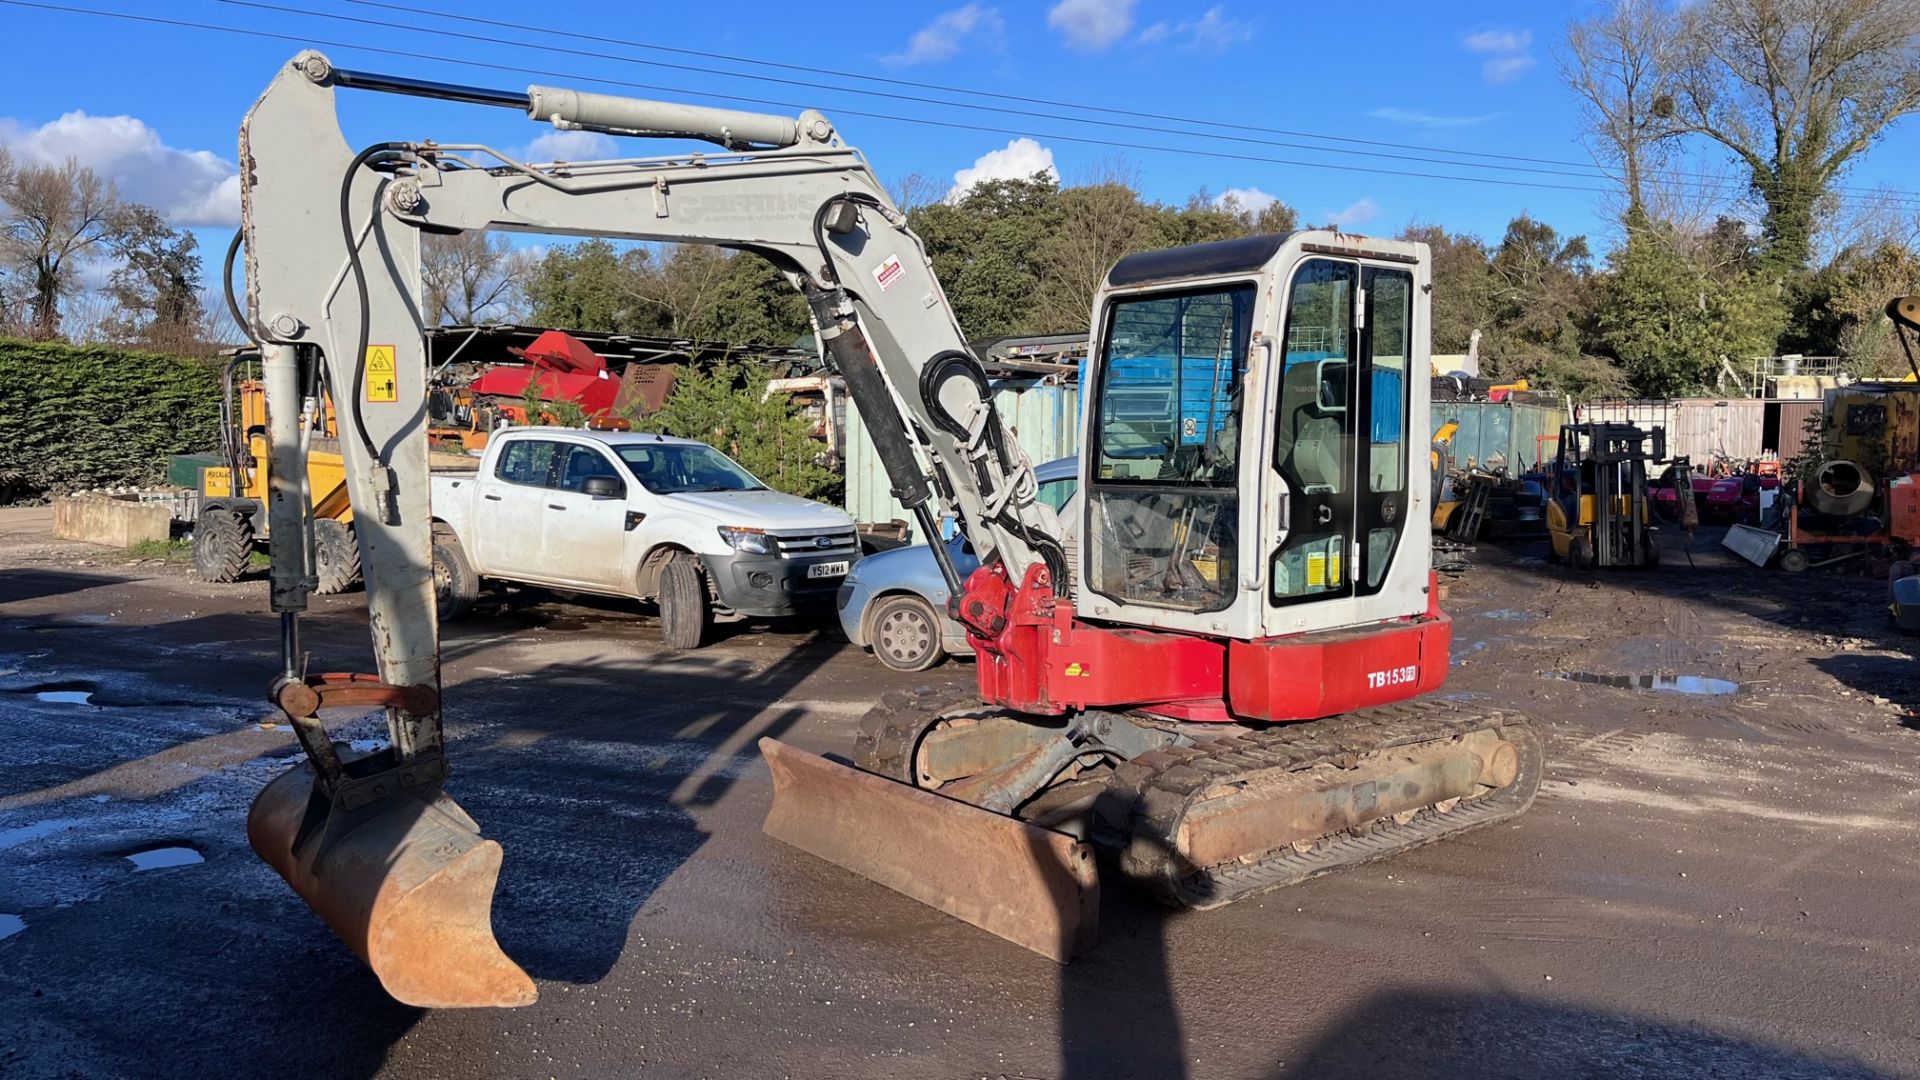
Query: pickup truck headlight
x=740, y=538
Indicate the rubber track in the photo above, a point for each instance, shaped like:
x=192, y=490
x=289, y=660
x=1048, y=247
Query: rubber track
x=1141, y=810
x=891, y=730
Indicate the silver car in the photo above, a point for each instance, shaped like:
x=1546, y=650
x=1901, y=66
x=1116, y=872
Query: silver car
x=895, y=602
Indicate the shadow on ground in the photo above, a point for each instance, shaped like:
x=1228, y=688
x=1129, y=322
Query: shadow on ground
x=1412, y=1035
x=590, y=774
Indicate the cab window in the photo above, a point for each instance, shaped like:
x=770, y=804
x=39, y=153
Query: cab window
x=528, y=461
x=584, y=462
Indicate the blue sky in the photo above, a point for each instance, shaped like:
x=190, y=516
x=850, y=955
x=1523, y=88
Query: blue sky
x=157, y=107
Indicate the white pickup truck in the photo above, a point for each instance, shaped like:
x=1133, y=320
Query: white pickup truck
x=630, y=514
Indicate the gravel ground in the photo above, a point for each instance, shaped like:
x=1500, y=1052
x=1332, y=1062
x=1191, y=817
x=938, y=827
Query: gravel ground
x=1711, y=884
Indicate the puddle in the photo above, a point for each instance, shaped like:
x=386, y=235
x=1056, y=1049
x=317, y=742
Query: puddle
x=1506, y=615
x=59, y=693
x=65, y=697
x=1461, y=653
x=162, y=857
x=10, y=925
x=1662, y=684
x=15, y=837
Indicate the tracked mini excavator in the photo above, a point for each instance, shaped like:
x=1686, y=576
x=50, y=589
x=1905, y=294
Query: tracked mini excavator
x=1204, y=671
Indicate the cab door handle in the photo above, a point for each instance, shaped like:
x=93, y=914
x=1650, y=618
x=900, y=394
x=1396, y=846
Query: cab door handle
x=1324, y=514
x=493, y=498
x=555, y=506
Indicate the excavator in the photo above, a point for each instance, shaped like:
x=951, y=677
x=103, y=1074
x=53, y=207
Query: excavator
x=1212, y=673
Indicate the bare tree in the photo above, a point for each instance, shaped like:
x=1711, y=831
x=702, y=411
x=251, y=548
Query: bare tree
x=1101, y=219
x=472, y=276
x=1622, y=65
x=54, y=217
x=687, y=285
x=916, y=189
x=1796, y=89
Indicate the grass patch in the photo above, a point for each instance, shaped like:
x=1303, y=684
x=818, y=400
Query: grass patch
x=179, y=549
x=259, y=560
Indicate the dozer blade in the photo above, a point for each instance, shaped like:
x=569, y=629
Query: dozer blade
x=1035, y=887
x=404, y=878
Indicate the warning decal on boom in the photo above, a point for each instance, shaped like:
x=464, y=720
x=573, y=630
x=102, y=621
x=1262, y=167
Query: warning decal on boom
x=380, y=378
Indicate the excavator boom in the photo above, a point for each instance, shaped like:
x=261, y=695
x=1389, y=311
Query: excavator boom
x=376, y=845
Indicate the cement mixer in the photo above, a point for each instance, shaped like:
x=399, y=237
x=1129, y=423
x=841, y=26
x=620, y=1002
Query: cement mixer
x=1840, y=489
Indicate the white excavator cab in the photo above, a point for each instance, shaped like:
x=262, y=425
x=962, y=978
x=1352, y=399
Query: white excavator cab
x=1248, y=443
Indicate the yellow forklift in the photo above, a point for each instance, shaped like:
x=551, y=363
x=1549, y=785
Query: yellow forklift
x=1598, y=511
x=231, y=523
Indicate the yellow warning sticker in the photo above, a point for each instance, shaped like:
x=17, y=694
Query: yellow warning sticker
x=1333, y=567
x=380, y=376
x=1316, y=569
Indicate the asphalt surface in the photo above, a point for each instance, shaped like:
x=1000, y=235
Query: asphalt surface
x=1709, y=885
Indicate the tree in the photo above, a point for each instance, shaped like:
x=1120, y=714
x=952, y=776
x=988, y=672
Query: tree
x=54, y=218
x=1678, y=310
x=728, y=407
x=1462, y=285
x=1795, y=90
x=755, y=304
x=588, y=287
x=1540, y=299
x=1852, y=292
x=984, y=250
x=1622, y=64
x=1096, y=225
x=472, y=276
x=156, y=287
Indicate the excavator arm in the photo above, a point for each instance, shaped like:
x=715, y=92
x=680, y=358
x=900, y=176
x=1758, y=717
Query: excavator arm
x=332, y=239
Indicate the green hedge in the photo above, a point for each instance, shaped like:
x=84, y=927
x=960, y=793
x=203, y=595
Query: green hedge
x=82, y=417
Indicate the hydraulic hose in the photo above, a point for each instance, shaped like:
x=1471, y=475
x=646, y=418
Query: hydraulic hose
x=359, y=274
x=226, y=280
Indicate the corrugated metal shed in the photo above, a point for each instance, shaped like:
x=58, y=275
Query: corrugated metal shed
x=1699, y=428
x=1044, y=416
x=1792, y=437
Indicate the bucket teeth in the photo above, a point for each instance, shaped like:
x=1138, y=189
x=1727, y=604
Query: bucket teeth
x=405, y=881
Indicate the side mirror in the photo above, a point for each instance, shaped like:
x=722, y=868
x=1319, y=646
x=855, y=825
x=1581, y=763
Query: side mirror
x=603, y=487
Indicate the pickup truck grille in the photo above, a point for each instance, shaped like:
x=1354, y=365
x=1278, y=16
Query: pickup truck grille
x=796, y=544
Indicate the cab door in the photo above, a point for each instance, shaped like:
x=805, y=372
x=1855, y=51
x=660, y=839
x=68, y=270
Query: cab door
x=1340, y=439
x=1313, y=438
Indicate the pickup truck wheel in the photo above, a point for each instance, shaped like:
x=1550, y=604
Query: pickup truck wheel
x=685, y=611
x=222, y=544
x=338, y=556
x=906, y=634
x=455, y=585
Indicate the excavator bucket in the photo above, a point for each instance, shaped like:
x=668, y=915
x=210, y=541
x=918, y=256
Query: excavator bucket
x=404, y=878
x=1035, y=887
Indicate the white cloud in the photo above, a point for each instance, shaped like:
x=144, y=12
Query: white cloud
x=1508, y=58
x=1356, y=213
x=1092, y=25
x=1498, y=41
x=1017, y=160
x=949, y=30
x=187, y=187
x=1505, y=69
x=1213, y=31
x=1250, y=199
x=560, y=145
x=1416, y=118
